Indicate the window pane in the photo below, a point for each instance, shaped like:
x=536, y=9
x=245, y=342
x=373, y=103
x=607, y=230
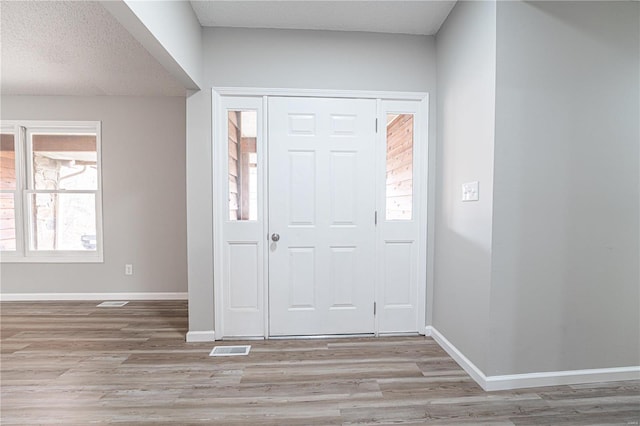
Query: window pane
x=7, y=161
x=399, y=189
x=65, y=162
x=63, y=222
x=7, y=222
x=243, y=181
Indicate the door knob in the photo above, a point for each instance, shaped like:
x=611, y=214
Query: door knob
x=275, y=237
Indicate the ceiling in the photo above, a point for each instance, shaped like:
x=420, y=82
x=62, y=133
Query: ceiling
x=382, y=16
x=79, y=48
x=75, y=48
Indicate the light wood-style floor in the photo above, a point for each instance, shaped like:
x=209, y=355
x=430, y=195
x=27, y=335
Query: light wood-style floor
x=73, y=363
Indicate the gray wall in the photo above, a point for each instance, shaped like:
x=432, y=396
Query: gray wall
x=565, y=288
x=466, y=57
x=285, y=59
x=144, y=207
x=318, y=59
x=168, y=30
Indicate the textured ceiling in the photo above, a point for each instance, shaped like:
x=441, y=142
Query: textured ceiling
x=74, y=48
x=383, y=16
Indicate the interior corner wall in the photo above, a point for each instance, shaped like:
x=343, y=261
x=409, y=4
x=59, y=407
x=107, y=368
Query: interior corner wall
x=334, y=60
x=565, y=282
x=466, y=102
x=200, y=211
x=175, y=26
x=144, y=206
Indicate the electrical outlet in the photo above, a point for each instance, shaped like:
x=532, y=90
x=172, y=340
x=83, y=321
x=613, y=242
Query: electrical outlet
x=128, y=269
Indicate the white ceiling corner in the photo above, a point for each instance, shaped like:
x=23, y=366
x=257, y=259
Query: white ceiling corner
x=423, y=17
x=75, y=48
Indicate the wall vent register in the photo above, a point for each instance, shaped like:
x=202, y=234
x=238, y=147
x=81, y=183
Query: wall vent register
x=112, y=304
x=230, y=350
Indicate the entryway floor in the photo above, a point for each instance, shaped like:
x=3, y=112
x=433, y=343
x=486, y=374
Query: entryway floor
x=74, y=363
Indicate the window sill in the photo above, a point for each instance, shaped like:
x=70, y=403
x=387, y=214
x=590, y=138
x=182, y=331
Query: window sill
x=96, y=258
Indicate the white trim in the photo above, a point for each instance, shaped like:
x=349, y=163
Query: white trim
x=320, y=93
x=379, y=205
x=217, y=185
x=529, y=380
x=53, y=257
x=422, y=210
x=554, y=378
x=264, y=190
x=464, y=362
x=218, y=158
x=61, y=126
x=41, y=297
x=25, y=188
x=427, y=200
x=201, y=336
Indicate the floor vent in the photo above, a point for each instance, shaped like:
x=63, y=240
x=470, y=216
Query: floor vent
x=112, y=304
x=230, y=350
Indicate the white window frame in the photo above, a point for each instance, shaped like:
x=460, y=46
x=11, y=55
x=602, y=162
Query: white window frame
x=22, y=129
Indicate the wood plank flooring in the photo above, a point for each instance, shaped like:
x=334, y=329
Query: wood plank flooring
x=74, y=363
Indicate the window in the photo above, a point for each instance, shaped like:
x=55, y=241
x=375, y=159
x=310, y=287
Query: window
x=50, y=192
x=8, y=190
x=399, y=165
x=243, y=160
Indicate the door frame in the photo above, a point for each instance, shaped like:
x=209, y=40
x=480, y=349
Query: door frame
x=220, y=203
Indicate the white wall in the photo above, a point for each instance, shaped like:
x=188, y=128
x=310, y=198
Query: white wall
x=566, y=287
x=284, y=59
x=466, y=57
x=144, y=207
x=169, y=30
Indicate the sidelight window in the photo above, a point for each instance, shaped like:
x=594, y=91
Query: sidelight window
x=399, y=167
x=243, y=172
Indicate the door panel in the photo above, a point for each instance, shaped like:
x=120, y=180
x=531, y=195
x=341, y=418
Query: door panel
x=302, y=278
x=240, y=295
x=244, y=285
x=399, y=225
x=343, y=186
x=321, y=203
x=302, y=187
x=398, y=277
x=343, y=276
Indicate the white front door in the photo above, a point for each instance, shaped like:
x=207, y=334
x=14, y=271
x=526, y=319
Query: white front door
x=321, y=206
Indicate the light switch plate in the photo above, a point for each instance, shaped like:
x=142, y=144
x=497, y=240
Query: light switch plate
x=470, y=191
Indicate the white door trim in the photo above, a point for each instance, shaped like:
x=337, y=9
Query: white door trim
x=219, y=155
x=320, y=93
x=407, y=234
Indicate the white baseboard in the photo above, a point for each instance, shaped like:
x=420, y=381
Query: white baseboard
x=41, y=297
x=529, y=380
x=555, y=378
x=464, y=362
x=201, y=336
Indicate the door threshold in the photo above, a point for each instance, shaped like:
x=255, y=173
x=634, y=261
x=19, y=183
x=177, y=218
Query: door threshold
x=323, y=336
